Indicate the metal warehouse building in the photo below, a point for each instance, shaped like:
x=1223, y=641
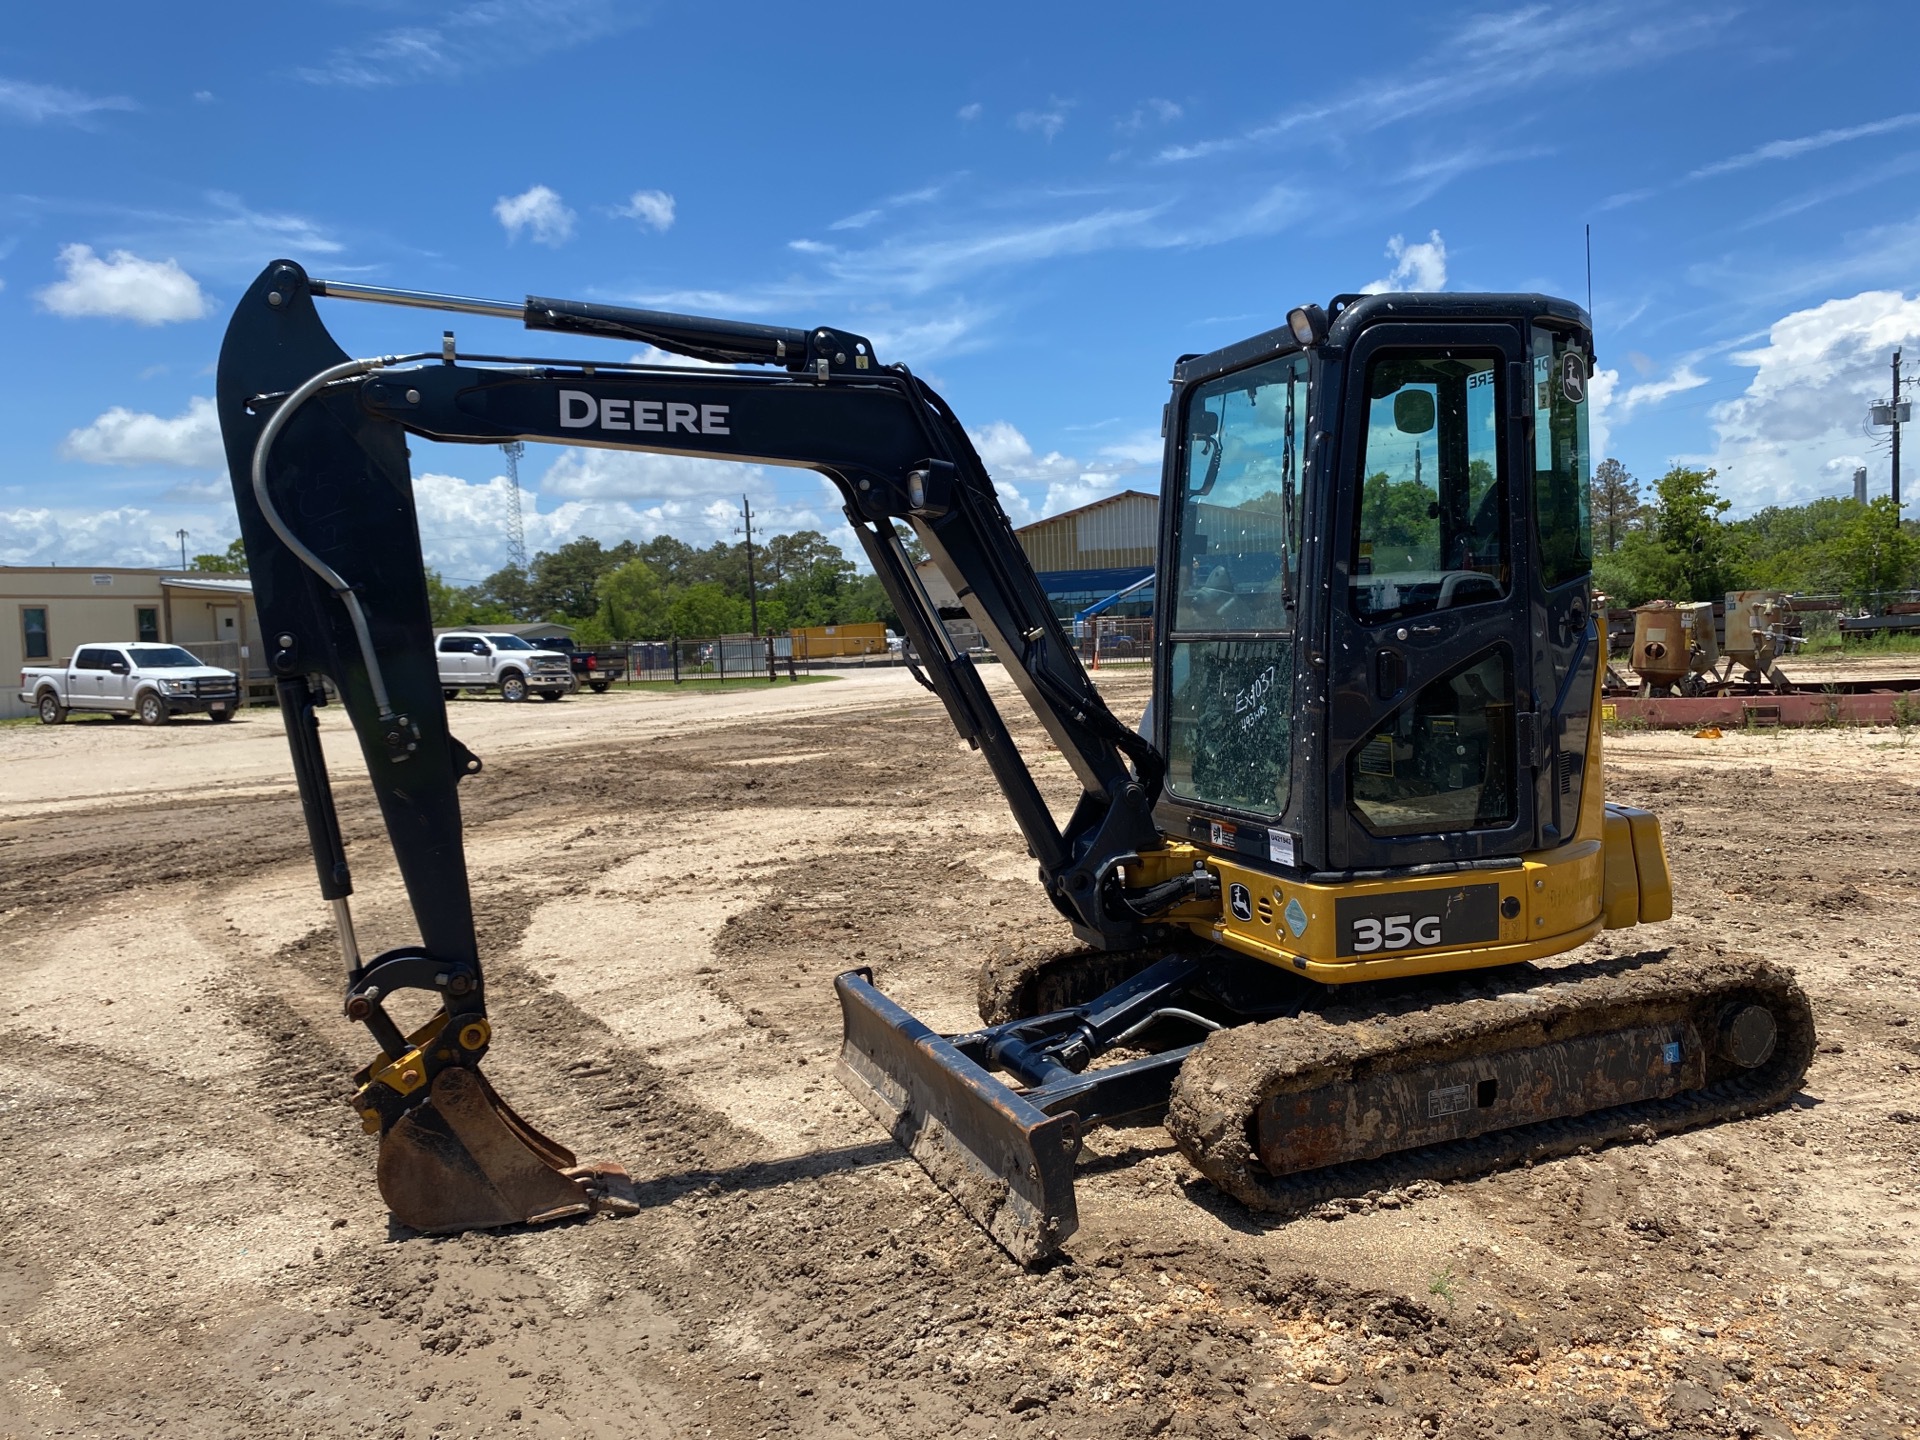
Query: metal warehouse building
x=1083, y=555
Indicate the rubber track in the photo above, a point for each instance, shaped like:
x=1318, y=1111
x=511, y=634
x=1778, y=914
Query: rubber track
x=1221, y=1087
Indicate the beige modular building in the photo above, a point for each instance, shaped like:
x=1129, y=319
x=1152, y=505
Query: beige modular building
x=47, y=611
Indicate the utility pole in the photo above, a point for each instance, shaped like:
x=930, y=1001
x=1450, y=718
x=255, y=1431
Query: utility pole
x=753, y=597
x=516, y=533
x=1891, y=414
x=183, y=541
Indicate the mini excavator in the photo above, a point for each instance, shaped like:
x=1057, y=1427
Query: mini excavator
x=1311, y=897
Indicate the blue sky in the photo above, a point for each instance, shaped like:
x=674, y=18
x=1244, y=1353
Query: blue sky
x=1037, y=207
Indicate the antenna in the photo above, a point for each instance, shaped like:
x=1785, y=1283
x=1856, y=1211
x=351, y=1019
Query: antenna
x=1589, y=272
x=516, y=533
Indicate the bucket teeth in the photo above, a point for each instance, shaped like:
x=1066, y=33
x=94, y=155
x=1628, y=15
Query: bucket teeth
x=464, y=1160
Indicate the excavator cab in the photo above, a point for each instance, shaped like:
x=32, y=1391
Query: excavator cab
x=1372, y=752
x=1374, y=643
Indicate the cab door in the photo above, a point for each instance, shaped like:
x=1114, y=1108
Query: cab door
x=1429, y=659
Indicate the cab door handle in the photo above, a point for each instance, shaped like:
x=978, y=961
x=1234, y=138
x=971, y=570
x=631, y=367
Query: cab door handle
x=1389, y=674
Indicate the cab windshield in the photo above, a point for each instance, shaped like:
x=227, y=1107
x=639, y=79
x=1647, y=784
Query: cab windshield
x=509, y=642
x=162, y=657
x=1230, y=663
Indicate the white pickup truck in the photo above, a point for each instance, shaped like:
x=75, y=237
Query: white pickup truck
x=484, y=660
x=155, y=682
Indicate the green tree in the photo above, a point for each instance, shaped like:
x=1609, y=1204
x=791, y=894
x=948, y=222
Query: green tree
x=564, y=581
x=1687, y=528
x=1793, y=547
x=506, y=592
x=633, y=603
x=1397, y=522
x=671, y=559
x=447, y=604
x=865, y=599
x=232, y=561
x=1616, y=506
x=910, y=542
x=813, y=577
x=706, y=609
x=1876, y=555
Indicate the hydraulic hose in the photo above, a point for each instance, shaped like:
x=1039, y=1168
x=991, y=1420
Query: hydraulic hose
x=346, y=370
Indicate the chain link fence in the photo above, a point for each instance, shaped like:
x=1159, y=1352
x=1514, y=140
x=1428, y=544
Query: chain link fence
x=1104, y=640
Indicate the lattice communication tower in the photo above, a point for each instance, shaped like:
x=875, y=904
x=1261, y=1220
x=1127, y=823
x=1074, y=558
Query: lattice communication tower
x=516, y=532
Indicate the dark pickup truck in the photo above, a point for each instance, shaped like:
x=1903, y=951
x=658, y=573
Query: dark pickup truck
x=594, y=667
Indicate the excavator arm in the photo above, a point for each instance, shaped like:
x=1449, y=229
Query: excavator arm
x=316, y=445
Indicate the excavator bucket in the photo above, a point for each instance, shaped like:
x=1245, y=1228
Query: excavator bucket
x=464, y=1160
x=1008, y=1163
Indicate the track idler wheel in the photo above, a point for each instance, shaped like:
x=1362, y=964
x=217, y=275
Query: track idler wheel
x=464, y=1160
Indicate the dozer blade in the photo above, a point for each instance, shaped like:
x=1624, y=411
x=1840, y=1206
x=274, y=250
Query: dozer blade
x=1008, y=1163
x=463, y=1160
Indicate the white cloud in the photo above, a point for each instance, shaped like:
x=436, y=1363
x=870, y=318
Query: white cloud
x=481, y=35
x=463, y=524
x=1046, y=123
x=969, y=112
x=538, y=210
x=1419, y=266
x=650, y=207
x=1609, y=404
x=1065, y=482
x=123, y=286
x=224, y=237
x=1806, y=403
x=126, y=437
x=203, y=97
x=1148, y=113
x=1652, y=392
x=1600, y=388
x=125, y=535
x=37, y=104
x=1805, y=144
x=587, y=473
x=1491, y=59
x=196, y=492
x=934, y=260
x=860, y=219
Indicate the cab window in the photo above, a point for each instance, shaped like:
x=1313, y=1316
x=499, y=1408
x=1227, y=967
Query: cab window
x=1562, y=502
x=1432, y=531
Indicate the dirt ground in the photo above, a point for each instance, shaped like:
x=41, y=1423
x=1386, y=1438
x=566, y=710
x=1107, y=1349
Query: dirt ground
x=191, y=1242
